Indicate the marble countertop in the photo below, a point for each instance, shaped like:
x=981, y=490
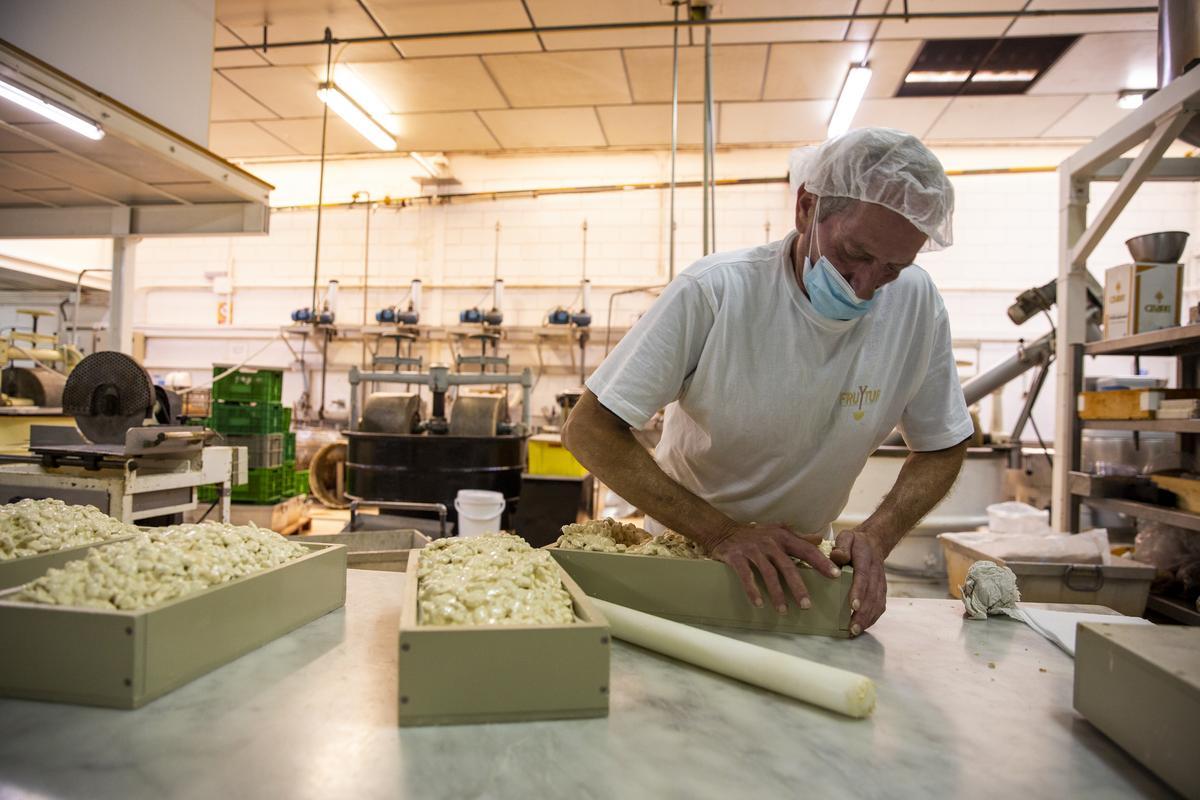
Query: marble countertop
x=966, y=710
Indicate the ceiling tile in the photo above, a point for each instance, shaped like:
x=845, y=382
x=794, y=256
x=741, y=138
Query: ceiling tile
x=631, y=126
x=1103, y=62
x=244, y=140
x=949, y=28
x=1000, y=117
x=864, y=30
x=809, y=71
x=222, y=37
x=889, y=64
x=912, y=114
x=778, y=31
x=453, y=130
x=432, y=84
x=737, y=73
x=561, y=79
x=1054, y=26
x=432, y=16
x=231, y=103
x=287, y=91
x=295, y=20
x=545, y=127
x=305, y=136
x=589, y=12
x=793, y=122
x=471, y=45
x=607, y=39
x=1092, y=116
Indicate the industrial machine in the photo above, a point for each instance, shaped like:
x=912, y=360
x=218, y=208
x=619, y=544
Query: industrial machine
x=128, y=457
x=495, y=315
x=399, y=454
x=325, y=314
x=408, y=316
x=39, y=385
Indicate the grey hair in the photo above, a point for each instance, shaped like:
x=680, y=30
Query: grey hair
x=833, y=205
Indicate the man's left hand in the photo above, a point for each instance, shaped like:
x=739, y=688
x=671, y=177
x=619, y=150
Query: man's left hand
x=868, y=590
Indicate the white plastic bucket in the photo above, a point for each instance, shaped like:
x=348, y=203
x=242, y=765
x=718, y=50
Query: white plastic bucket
x=479, y=511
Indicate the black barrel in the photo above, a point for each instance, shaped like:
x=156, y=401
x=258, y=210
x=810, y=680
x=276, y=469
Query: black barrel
x=427, y=468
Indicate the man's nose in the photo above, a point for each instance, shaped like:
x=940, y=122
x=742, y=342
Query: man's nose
x=865, y=281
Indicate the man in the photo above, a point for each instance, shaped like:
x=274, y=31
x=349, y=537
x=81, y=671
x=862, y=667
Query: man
x=783, y=367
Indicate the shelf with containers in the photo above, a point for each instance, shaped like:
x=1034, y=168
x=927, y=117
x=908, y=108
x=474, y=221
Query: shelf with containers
x=1154, y=126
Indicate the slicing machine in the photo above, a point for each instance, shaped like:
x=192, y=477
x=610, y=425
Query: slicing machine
x=126, y=458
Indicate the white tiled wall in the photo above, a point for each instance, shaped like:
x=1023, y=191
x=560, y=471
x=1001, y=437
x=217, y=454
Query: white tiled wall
x=1006, y=234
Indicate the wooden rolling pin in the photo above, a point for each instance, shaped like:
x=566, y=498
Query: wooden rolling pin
x=828, y=687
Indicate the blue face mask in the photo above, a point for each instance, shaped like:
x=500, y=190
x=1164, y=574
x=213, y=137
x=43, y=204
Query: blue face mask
x=830, y=293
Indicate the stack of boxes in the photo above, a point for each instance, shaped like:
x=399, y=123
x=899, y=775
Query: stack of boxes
x=248, y=411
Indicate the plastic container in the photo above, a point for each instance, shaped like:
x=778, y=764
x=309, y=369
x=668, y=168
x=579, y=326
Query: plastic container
x=1157, y=451
x=1112, y=382
x=265, y=449
x=1013, y=517
x=248, y=385
x=264, y=486
x=301, y=481
x=240, y=418
x=289, y=446
x=547, y=456
x=1104, y=452
x=479, y=511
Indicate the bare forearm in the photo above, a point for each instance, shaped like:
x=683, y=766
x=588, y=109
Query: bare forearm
x=924, y=480
x=606, y=446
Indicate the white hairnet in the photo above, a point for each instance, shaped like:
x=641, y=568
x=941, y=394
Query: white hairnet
x=879, y=165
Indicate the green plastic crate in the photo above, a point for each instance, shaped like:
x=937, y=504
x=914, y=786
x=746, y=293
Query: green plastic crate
x=248, y=385
x=243, y=419
x=264, y=450
x=287, y=480
x=301, y=481
x=265, y=486
x=289, y=446
x=287, y=418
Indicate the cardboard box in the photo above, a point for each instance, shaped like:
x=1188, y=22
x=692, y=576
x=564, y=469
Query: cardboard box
x=124, y=659
x=706, y=592
x=468, y=674
x=1140, y=685
x=1141, y=297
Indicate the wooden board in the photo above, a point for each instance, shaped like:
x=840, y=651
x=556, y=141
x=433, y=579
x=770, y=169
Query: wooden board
x=124, y=659
x=705, y=592
x=459, y=674
x=1185, y=489
x=18, y=571
x=1140, y=685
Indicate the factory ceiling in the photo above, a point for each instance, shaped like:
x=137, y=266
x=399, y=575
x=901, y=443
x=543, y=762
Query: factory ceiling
x=531, y=89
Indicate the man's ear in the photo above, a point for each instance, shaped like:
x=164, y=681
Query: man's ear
x=805, y=204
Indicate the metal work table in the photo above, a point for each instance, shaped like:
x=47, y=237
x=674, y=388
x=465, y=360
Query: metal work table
x=965, y=710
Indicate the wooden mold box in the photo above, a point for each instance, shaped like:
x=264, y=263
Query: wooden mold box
x=705, y=592
x=1140, y=685
x=19, y=571
x=124, y=659
x=467, y=674
x=386, y=550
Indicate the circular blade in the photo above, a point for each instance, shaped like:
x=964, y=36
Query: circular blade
x=108, y=393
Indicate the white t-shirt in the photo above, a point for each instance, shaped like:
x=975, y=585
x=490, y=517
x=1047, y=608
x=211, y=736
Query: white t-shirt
x=773, y=409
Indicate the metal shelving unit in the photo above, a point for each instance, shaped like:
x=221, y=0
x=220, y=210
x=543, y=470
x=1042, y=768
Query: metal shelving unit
x=1154, y=126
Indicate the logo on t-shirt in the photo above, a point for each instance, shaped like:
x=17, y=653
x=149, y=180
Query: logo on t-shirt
x=856, y=399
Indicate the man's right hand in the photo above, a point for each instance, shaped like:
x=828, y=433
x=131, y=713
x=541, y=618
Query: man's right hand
x=770, y=549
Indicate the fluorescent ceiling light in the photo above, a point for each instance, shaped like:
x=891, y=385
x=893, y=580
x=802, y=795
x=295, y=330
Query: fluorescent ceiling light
x=847, y=103
x=1004, y=76
x=51, y=111
x=360, y=120
x=353, y=87
x=937, y=76
x=1131, y=99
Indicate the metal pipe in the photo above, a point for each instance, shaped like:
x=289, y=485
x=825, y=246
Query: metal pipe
x=710, y=145
x=707, y=133
x=773, y=20
x=79, y=301
x=321, y=181
x=1178, y=38
x=674, y=138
